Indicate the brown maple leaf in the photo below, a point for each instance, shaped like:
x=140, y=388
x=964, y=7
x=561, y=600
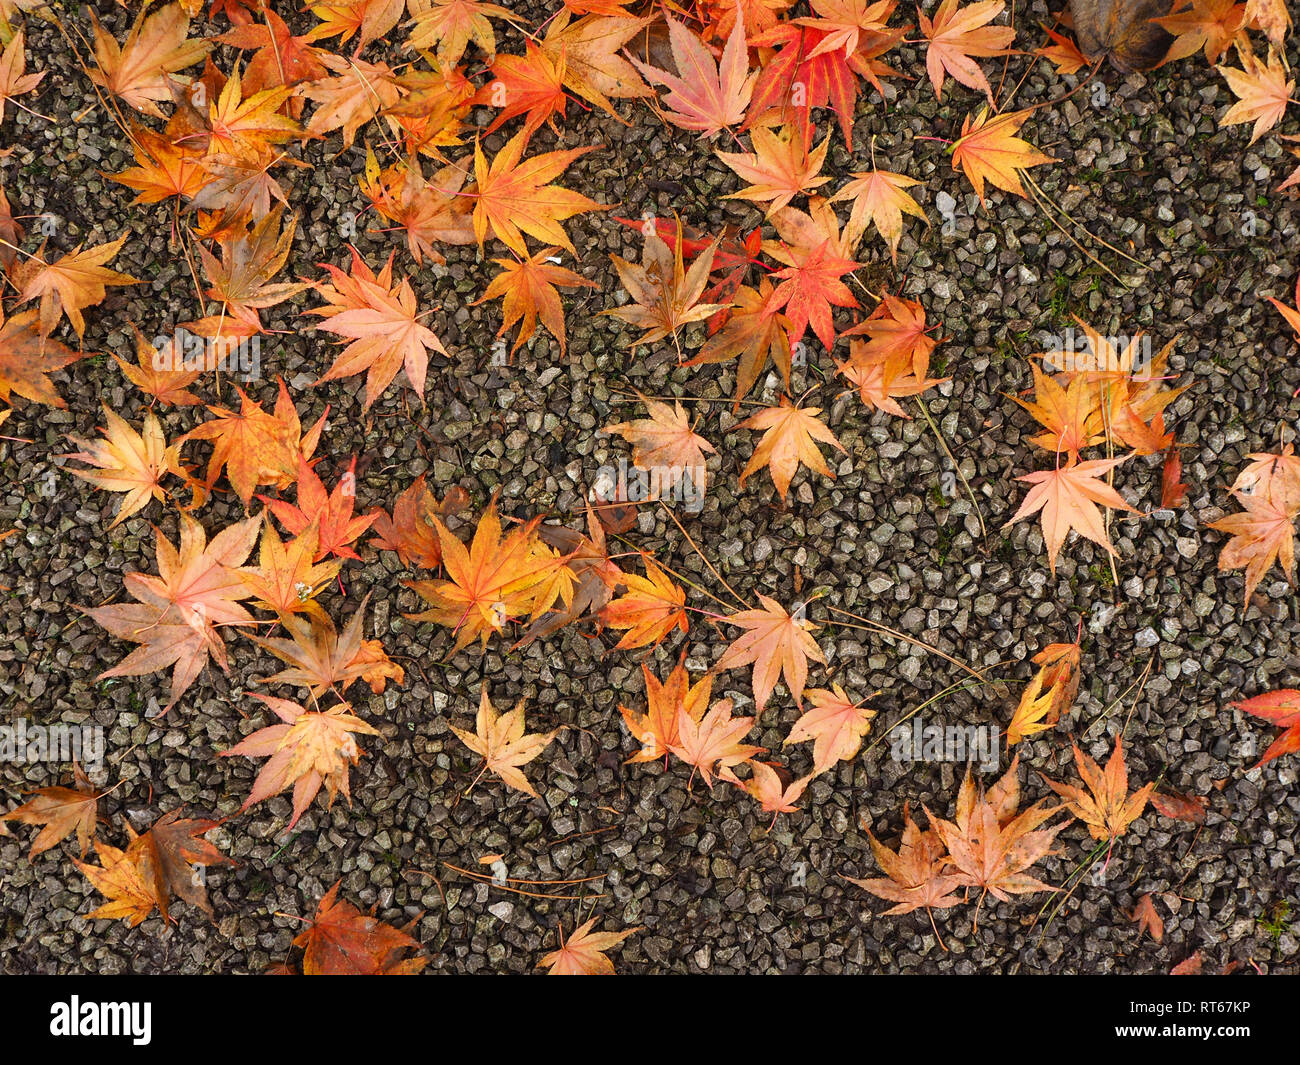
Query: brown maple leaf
x=136, y=70
x=409, y=531
x=14, y=79
x=665, y=295
x=1144, y=914
x=162, y=376
x=164, y=860
x=60, y=812
x=504, y=746
x=341, y=940
x=243, y=277
x=27, y=358
x=307, y=749
x=320, y=658
x=1106, y=807
x=756, y=332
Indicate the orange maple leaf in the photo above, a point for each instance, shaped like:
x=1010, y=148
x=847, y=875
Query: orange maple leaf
x=668, y=444
x=592, y=67
x=712, y=744
x=531, y=85
x=127, y=461
x=1068, y=498
x=495, y=581
x=136, y=71
x=60, y=812
x=14, y=79
x=665, y=295
x=956, y=34
x=27, y=357
x=307, y=749
x=409, y=531
x=780, y=167
x=789, y=435
x=914, y=874
x=1262, y=92
x=528, y=290
x=286, y=579
x=657, y=729
x=71, y=283
x=755, y=332
x=514, y=197
x=1106, y=807
x=778, y=644
x=341, y=940
x=583, y=953
x=332, y=513
x=835, y=724
x=989, y=150
x=504, y=746
x=650, y=608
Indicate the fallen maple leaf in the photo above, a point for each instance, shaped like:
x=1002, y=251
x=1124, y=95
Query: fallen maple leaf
x=342, y=941
x=1281, y=708
x=957, y=34
x=531, y=85
x=242, y=278
x=504, y=746
x=177, y=615
x=255, y=447
x=1261, y=534
x=451, y=25
x=989, y=150
x=990, y=846
x=1049, y=694
x=583, y=953
x=1106, y=807
x=156, y=864
x=1190, y=808
x=650, y=608
x=665, y=295
x=667, y=444
x=69, y=284
x=756, y=332
x=1144, y=913
x=657, y=729
x=14, y=79
x=772, y=794
x=370, y=19
x=528, y=290
x=319, y=658
x=287, y=577
x=514, y=197
x=704, y=96
x=60, y=812
x=778, y=644
x=914, y=874
x=815, y=256
x=164, y=377
x=712, y=744
x=127, y=461
x=136, y=71
x=1067, y=497
x=835, y=723
x=356, y=94
x=1262, y=92
x=307, y=749
x=1063, y=53
x=588, y=51
x=879, y=198
x=409, y=531
x=337, y=527
x=780, y=167
x=1208, y=24
x=789, y=435
x=27, y=358
x=495, y=581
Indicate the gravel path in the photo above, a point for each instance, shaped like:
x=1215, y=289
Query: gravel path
x=1143, y=167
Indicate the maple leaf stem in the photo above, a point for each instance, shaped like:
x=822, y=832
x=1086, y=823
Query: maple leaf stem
x=929, y=912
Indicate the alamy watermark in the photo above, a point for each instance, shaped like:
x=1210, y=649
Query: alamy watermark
x=238, y=356
x=916, y=741
x=671, y=484
x=24, y=743
x=1073, y=352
